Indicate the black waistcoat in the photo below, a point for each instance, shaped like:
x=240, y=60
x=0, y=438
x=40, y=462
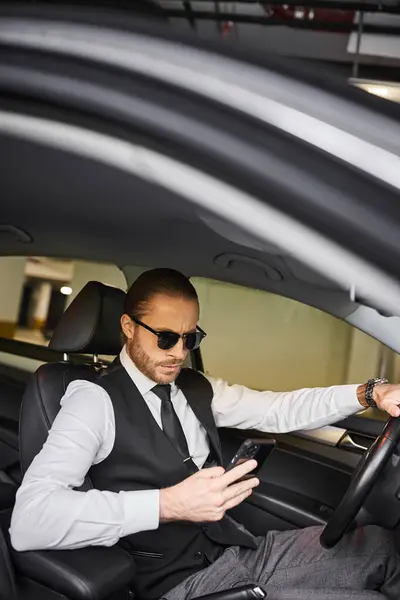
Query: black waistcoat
x=143, y=458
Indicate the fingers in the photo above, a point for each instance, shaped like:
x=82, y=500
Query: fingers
x=393, y=410
x=239, y=489
x=236, y=473
x=210, y=473
x=236, y=500
x=391, y=406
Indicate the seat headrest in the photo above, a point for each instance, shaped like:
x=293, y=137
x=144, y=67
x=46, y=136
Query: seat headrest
x=91, y=323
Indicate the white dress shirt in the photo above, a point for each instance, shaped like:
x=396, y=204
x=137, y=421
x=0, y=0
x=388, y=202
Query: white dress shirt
x=49, y=513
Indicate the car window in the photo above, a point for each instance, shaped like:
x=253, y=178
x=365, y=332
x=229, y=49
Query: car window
x=267, y=341
x=36, y=291
x=28, y=365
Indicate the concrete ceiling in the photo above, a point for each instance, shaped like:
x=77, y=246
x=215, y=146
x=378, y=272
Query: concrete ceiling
x=377, y=51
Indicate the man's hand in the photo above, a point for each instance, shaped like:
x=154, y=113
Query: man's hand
x=207, y=495
x=387, y=397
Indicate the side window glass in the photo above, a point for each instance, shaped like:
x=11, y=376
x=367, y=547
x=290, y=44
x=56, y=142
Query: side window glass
x=37, y=290
x=265, y=341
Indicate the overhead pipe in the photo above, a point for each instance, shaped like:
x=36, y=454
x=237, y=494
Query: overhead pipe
x=274, y=21
x=384, y=6
x=188, y=9
x=360, y=30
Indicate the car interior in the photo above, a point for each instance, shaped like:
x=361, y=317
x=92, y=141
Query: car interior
x=96, y=166
x=285, y=498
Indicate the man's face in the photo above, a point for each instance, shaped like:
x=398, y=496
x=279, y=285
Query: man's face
x=164, y=313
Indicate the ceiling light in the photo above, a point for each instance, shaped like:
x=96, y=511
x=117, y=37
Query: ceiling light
x=390, y=90
x=378, y=91
x=66, y=290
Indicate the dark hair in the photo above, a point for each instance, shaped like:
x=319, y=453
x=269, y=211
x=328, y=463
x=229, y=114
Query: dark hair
x=157, y=281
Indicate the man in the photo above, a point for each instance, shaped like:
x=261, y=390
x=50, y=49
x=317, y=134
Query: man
x=147, y=433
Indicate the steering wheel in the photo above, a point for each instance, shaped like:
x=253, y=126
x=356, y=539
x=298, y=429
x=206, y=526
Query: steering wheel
x=362, y=482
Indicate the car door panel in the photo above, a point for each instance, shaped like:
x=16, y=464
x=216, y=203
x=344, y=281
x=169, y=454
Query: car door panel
x=258, y=521
x=301, y=482
x=369, y=422
x=291, y=508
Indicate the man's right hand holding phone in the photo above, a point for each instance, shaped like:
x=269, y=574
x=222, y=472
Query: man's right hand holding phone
x=208, y=494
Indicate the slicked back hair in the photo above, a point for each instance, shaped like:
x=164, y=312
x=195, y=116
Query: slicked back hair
x=167, y=282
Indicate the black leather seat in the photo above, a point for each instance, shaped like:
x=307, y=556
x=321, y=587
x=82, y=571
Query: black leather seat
x=13, y=587
x=11, y=392
x=90, y=325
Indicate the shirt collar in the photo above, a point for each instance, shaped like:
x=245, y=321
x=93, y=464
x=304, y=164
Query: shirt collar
x=142, y=382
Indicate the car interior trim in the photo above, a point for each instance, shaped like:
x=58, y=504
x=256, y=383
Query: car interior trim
x=166, y=62
x=329, y=435
x=233, y=204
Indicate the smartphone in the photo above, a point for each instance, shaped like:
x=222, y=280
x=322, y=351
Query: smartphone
x=252, y=448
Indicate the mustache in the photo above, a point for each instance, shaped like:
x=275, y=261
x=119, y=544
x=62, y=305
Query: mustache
x=171, y=363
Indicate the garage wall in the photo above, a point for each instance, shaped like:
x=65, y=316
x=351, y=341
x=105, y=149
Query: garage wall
x=265, y=341
x=12, y=276
x=91, y=271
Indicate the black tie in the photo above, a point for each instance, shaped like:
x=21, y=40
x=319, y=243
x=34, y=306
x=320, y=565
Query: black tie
x=172, y=426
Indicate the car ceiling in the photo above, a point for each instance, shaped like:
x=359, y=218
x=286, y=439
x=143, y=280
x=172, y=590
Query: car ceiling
x=73, y=207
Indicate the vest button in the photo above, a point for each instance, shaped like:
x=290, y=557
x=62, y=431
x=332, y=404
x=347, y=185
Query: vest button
x=198, y=555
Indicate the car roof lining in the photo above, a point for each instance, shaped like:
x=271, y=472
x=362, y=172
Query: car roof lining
x=157, y=224
x=79, y=216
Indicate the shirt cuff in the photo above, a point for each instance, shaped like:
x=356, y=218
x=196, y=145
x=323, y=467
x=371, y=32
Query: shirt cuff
x=141, y=511
x=346, y=400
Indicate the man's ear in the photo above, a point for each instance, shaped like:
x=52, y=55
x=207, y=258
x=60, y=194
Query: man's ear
x=127, y=326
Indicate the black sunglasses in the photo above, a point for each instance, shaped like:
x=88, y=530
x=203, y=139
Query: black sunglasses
x=169, y=339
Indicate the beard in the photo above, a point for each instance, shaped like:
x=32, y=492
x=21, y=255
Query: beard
x=148, y=366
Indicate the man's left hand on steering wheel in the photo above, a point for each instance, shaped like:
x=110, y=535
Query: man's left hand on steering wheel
x=378, y=393
x=387, y=397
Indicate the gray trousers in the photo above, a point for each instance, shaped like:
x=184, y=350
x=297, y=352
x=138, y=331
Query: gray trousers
x=291, y=565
